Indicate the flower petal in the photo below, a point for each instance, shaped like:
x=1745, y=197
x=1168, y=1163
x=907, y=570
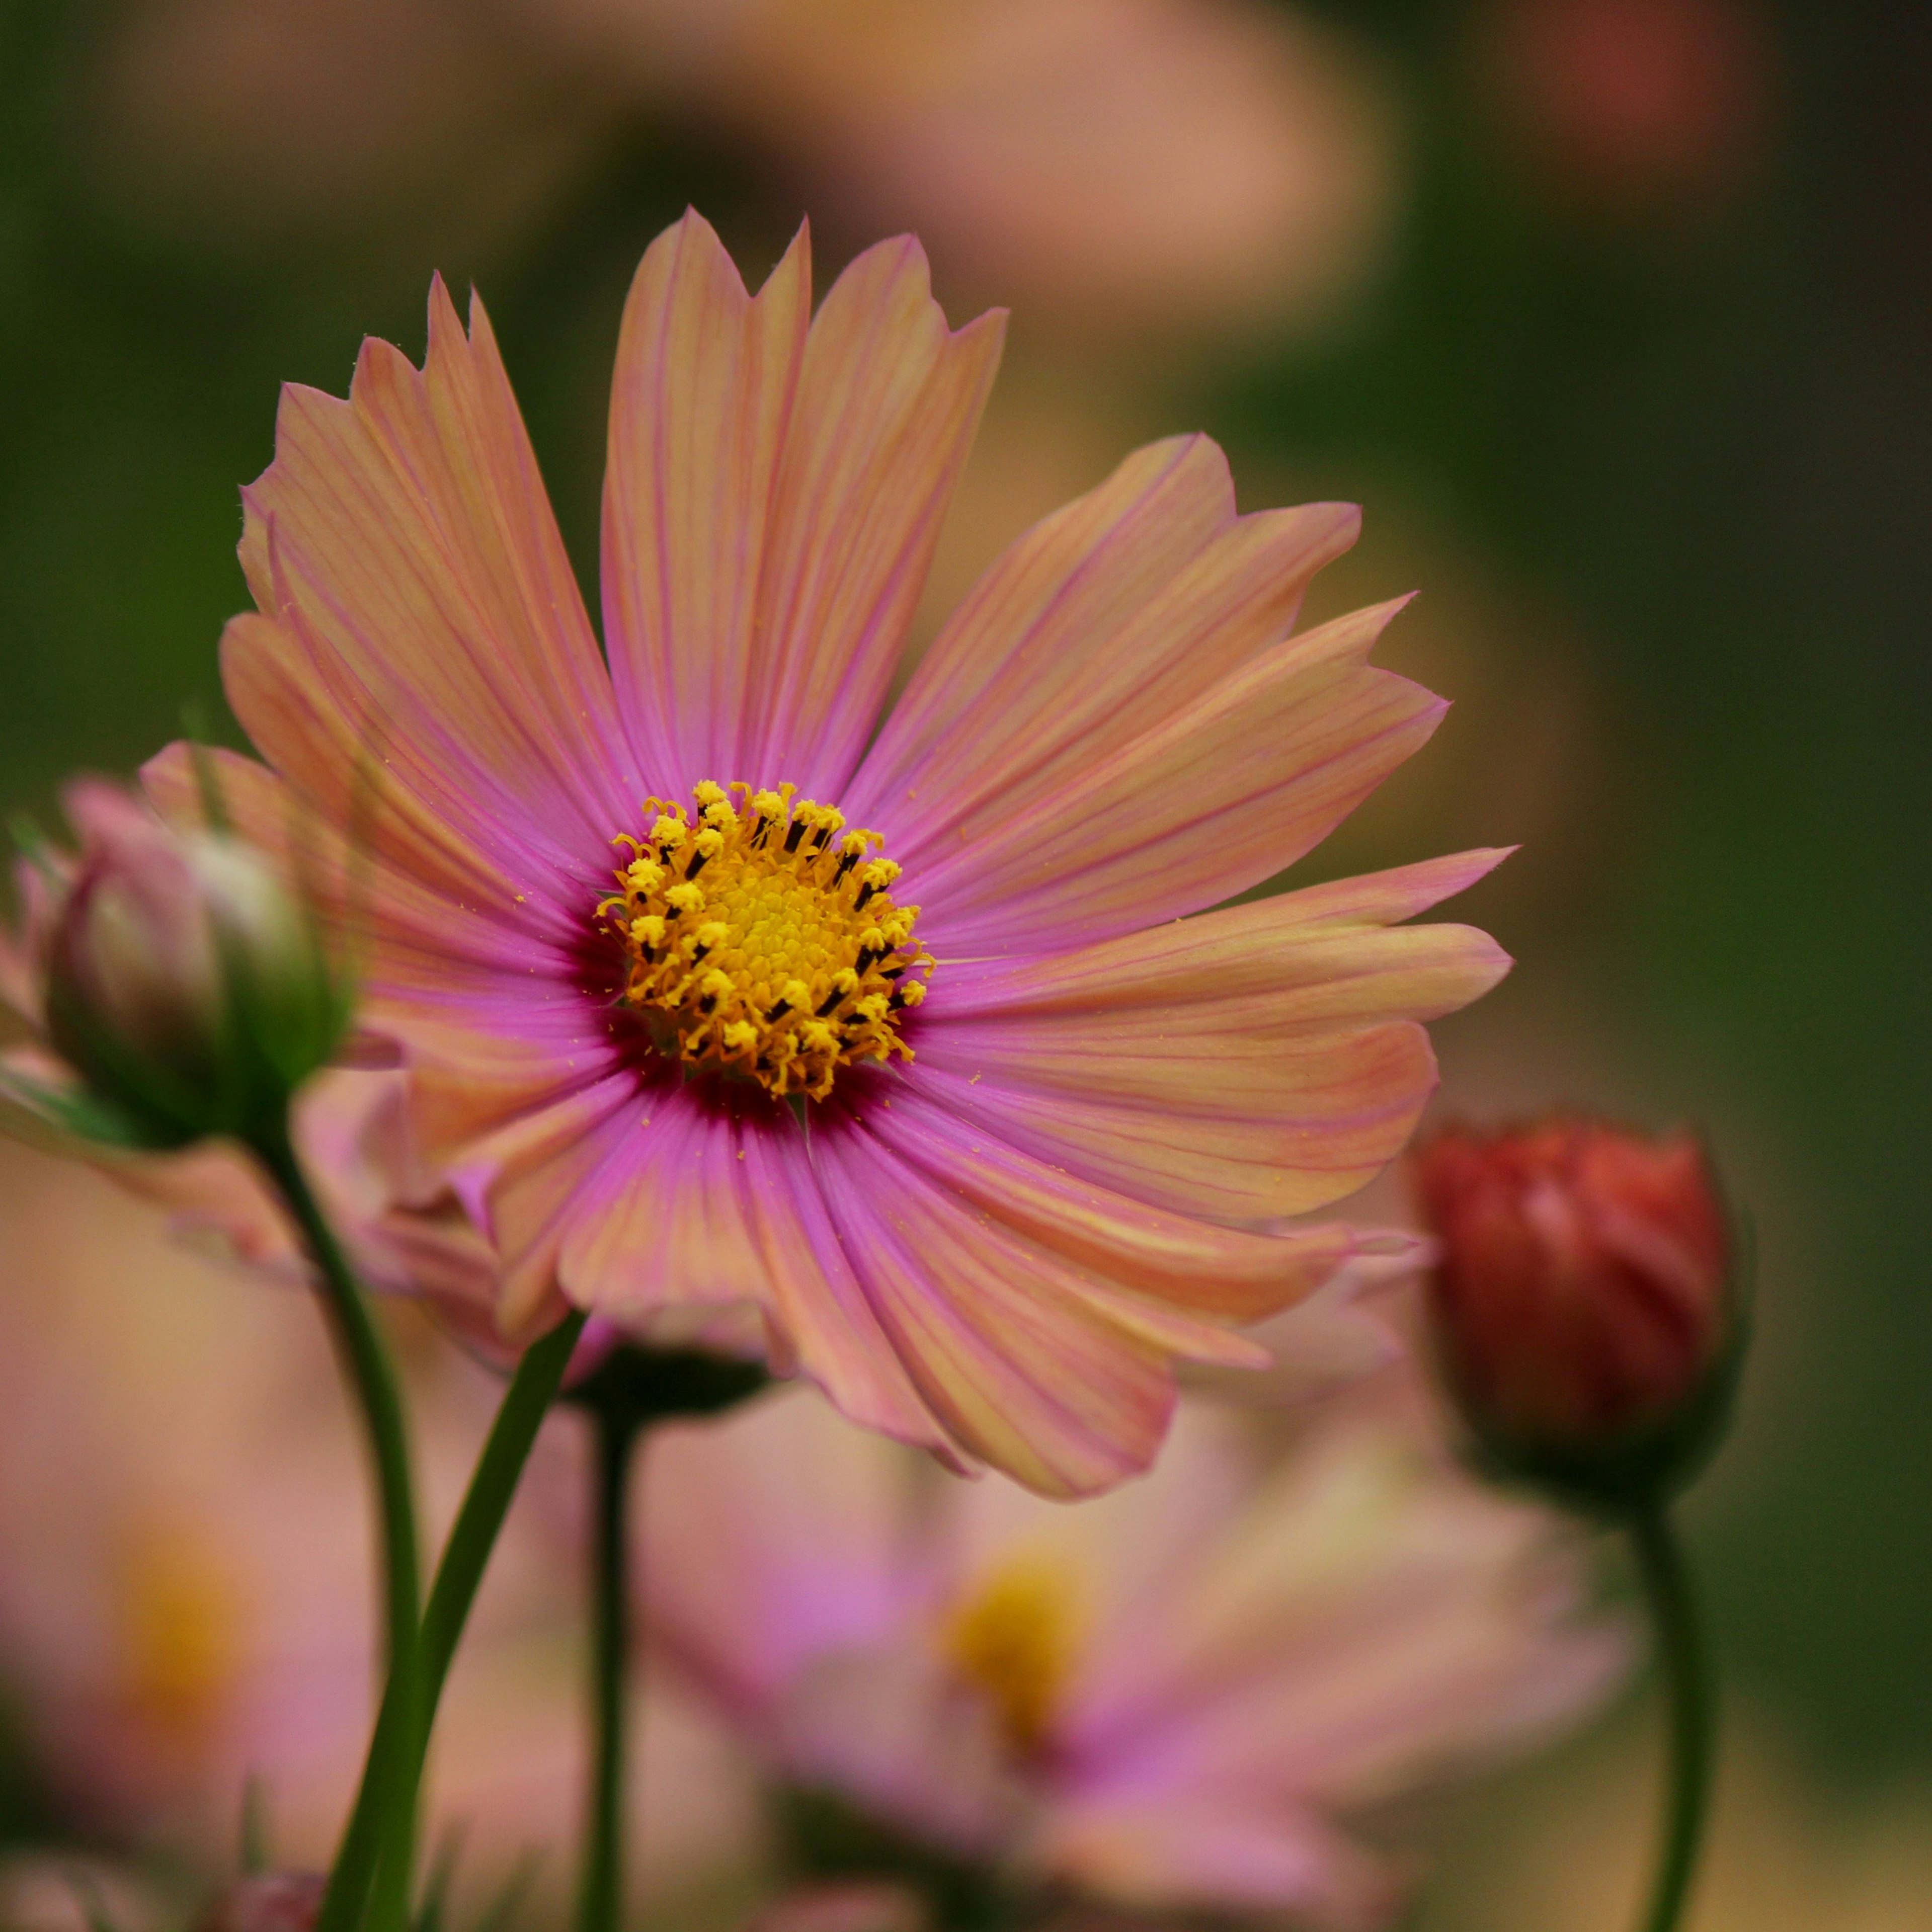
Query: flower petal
x=680, y=1202
x=773, y=499
x=702, y=397
x=1214, y=1271
x=403, y=544
x=1253, y=1063
x=889, y=400
x=1223, y=793
x=1090, y=630
x=1032, y=1366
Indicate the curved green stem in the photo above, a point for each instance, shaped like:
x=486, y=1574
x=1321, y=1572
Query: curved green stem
x=465, y=1556
x=600, y=1901
x=372, y=1376
x=1691, y=1690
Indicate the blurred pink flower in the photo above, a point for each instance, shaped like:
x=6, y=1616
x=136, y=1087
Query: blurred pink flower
x=1141, y=161
x=1039, y=1171
x=1134, y=162
x=185, y=1581
x=1176, y=1697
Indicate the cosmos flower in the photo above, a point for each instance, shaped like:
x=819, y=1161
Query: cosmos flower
x=913, y=1033
x=1180, y=1697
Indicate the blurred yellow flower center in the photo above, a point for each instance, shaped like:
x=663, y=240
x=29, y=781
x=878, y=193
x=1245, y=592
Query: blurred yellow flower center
x=762, y=938
x=1013, y=1640
x=178, y=1642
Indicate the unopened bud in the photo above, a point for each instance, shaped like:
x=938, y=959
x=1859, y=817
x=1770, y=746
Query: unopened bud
x=185, y=984
x=1585, y=1314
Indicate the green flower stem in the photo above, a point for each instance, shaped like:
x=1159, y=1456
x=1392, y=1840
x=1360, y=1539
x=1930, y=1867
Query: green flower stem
x=465, y=1556
x=600, y=1902
x=1691, y=1688
x=372, y=1376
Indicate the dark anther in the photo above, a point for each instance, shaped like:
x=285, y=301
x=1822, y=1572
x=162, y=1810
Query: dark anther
x=797, y=831
x=866, y=955
x=897, y=1000
x=708, y=1003
x=890, y=972
x=779, y=1010
x=845, y=865
x=865, y=893
x=697, y=953
x=830, y=1001
x=697, y=865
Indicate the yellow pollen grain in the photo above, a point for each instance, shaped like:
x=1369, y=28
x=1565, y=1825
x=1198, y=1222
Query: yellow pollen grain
x=761, y=938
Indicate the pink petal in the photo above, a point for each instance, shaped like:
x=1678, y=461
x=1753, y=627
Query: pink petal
x=402, y=544
x=808, y=1526
x=1017, y=1354
x=1214, y=1271
x=405, y=933
x=1230, y=1851
x=773, y=499
x=1297, y=1133
x=681, y=1201
x=1223, y=793
x=700, y=403
x=1093, y=628
x=889, y=400
x=1250, y=1064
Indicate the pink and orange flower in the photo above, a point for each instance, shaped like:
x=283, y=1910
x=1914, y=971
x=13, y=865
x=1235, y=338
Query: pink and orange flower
x=1189, y=1696
x=917, y=1031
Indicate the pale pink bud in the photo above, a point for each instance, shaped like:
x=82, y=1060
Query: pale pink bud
x=1583, y=1306
x=184, y=983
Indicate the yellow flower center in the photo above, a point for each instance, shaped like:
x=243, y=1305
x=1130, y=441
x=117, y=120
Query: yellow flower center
x=177, y=1608
x=762, y=939
x=1013, y=1640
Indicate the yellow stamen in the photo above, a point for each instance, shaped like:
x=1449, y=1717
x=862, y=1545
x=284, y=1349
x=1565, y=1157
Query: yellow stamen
x=1013, y=1638
x=762, y=940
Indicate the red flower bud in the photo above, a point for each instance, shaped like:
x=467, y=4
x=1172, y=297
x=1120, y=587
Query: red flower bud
x=1583, y=1305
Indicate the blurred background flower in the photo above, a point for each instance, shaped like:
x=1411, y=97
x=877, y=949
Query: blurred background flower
x=1625, y=352
x=1187, y=1695
x=187, y=1598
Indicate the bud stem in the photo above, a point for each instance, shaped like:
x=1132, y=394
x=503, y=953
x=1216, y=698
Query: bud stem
x=601, y=1899
x=465, y=1557
x=372, y=1376
x=1690, y=1688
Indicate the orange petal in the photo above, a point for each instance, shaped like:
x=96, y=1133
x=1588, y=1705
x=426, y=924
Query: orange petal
x=1251, y=1063
x=700, y=403
x=1092, y=628
x=403, y=541
x=703, y=1204
x=889, y=400
x=1201, y=1266
x=1226, y=792
x=1020, y=1356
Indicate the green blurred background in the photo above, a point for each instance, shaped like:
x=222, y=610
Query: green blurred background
x=1627, y=355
